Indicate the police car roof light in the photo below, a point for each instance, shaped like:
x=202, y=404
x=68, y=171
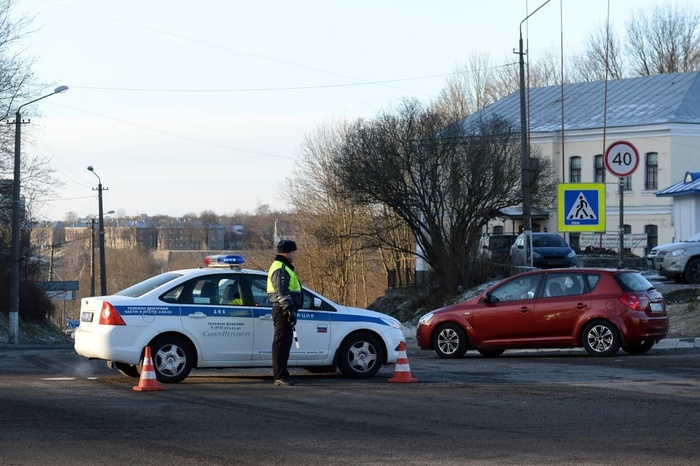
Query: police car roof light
x=224, y=260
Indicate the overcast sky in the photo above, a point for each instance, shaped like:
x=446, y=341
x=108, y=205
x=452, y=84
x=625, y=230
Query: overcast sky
x=184, y=106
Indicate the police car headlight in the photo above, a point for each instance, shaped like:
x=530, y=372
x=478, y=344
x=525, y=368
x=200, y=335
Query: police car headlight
x=392, y=322
x=426, y=318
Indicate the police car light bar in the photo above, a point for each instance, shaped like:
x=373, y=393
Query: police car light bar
x=224, y=260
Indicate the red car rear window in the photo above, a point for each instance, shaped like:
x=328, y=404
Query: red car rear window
x=633, y=282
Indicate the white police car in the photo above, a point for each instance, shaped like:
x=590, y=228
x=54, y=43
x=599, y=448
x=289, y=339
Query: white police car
x=219, y=317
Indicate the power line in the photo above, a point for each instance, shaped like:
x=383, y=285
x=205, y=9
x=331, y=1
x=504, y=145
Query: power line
x=215, y=144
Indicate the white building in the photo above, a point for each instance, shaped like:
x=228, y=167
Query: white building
x=575, y=123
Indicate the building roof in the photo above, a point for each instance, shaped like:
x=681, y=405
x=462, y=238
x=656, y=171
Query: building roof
x=651, y=100
x=689, y=185
x=516, y=212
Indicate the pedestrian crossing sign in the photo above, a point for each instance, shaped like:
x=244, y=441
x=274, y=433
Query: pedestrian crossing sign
x=581, y=207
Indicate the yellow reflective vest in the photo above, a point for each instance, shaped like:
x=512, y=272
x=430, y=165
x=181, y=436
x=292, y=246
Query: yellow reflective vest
x=294, y=288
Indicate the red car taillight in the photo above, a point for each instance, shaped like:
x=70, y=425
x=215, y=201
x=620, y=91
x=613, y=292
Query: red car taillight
x=634, y=302
x=110, y=316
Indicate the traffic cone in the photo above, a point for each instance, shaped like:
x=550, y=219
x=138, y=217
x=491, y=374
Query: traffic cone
x=148, y=381
x=402, y=372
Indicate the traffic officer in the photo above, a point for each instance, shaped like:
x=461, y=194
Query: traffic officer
x=284, y=291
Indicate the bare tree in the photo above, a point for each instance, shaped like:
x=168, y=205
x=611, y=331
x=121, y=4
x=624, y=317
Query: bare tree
x=470, y=88
x=481, y=82
x=340, y=260
x=444, y=180
x=667, y=40
x=17, y=85
x=603, y=51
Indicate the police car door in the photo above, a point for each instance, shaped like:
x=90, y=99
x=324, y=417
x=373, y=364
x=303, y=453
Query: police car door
x=218, y=320
x=313, y=327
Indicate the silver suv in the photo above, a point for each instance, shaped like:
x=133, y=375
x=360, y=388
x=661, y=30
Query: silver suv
x=678, y=261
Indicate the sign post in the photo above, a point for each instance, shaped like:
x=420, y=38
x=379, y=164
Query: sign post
x=621, y=159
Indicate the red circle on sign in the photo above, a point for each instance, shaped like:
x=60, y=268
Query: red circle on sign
x=621, y=158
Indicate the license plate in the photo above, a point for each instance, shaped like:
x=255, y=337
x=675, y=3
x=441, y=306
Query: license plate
x=87, y=316
x=657, y=307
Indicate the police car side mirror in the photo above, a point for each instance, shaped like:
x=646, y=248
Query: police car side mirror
x=317, y=303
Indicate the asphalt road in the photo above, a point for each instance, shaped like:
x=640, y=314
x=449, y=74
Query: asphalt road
x=555, y=407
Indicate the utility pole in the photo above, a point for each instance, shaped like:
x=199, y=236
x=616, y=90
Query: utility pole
x=101, y=226
x=92, y=256
x=13, y=317
x=525, y=151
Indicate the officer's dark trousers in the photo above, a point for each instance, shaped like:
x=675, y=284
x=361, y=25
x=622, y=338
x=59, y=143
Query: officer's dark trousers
x=281, y=343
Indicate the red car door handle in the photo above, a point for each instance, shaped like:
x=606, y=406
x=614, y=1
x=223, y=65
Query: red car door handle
x=581, y=306
x=525, y=309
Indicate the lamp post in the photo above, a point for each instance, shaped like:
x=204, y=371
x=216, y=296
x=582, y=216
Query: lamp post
x=101, y=226
x=13, y=336
x=525, y=150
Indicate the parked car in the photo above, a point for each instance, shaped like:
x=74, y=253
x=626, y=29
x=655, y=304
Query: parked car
x=497, y=247
x=219, y=317
x=600, y=310
x=549, y=251
x=678, y=261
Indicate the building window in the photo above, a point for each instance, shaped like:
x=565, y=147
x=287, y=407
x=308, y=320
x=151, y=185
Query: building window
x=599, y=175
x=498, y=230
x=535, y=172
x=627, y=229
x=652, y=171
x=652, y=232
x=575, y=169
x=575, y=241
x=627, y=183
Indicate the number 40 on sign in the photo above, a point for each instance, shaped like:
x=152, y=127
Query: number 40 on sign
x=621, y=159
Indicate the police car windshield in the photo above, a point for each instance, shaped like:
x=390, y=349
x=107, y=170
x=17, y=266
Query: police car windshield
x=147, y=285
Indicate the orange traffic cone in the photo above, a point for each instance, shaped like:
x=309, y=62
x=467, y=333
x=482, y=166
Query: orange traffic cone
x=402, y=373
x=148, y=381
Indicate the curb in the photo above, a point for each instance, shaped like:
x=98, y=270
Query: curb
x=672, y=343
x=37, y=346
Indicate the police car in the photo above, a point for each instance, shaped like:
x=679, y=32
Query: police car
x=220, y=317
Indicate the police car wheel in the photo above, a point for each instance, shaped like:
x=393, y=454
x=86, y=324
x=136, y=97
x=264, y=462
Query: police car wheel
x=173, y=358
x=128, y=370
x=361, y=356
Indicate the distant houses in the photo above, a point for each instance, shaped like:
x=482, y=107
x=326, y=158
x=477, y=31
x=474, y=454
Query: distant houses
x=164, y=234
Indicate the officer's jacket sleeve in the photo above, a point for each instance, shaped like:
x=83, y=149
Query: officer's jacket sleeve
x=280, y=282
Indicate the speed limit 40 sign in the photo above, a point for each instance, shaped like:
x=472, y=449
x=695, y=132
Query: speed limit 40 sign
x=621, y=158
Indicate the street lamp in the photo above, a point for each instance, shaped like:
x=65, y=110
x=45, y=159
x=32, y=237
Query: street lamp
x=103, y=270
x=13, y=337
x=525, y=151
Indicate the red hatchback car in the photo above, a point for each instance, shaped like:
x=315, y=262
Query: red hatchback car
x=600, y=310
